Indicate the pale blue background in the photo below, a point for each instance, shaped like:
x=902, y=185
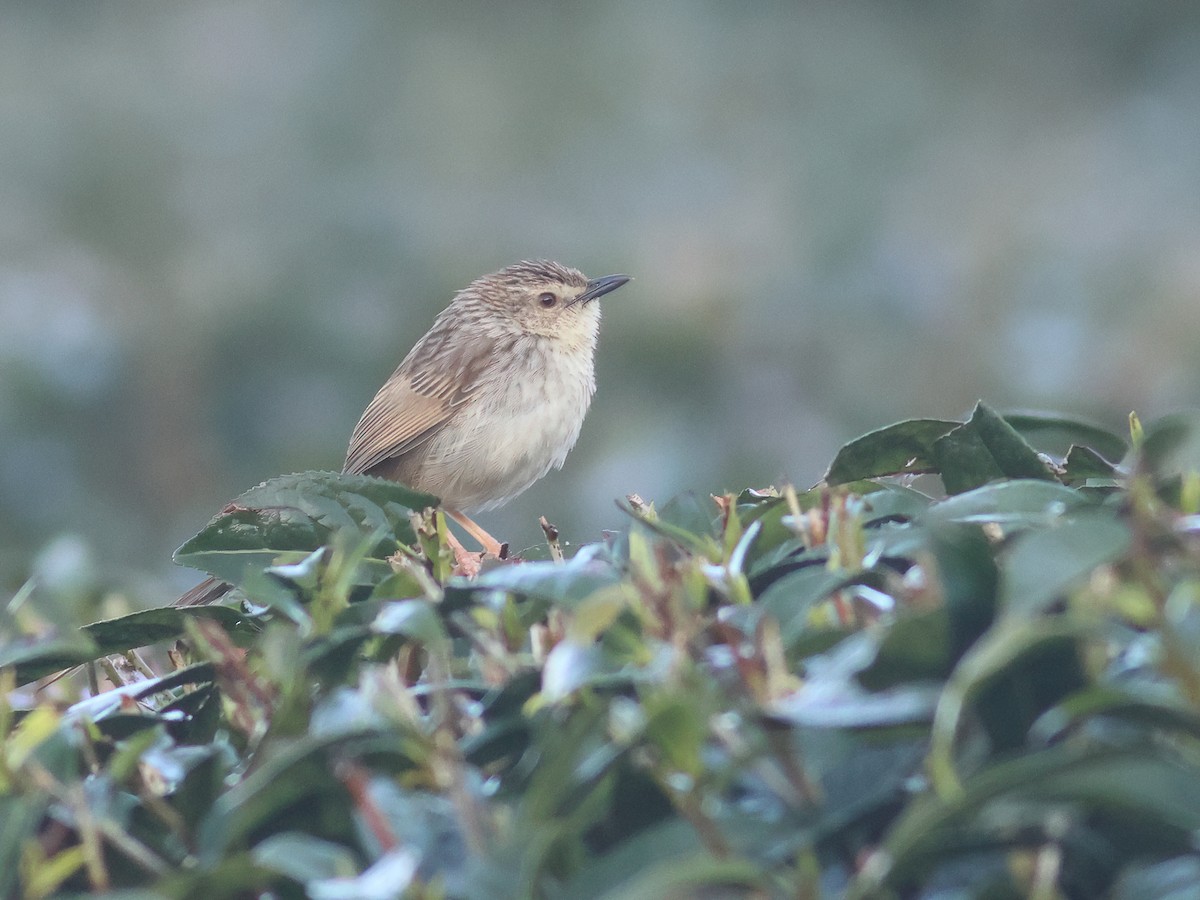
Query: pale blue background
x=222, y=224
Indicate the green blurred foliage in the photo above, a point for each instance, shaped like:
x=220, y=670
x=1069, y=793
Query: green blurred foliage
x=862, y=691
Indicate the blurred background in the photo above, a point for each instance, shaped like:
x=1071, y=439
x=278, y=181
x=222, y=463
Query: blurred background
x=222, y=225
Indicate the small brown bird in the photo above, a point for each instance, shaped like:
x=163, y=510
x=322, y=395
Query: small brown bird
x=488, y=401
x=492, y=396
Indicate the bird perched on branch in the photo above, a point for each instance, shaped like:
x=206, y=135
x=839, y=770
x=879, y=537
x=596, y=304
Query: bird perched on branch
x=487, y=402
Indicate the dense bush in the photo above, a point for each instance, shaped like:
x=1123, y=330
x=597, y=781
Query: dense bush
x=966, y=665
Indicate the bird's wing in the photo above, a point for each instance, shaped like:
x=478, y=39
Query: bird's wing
x=413, y=405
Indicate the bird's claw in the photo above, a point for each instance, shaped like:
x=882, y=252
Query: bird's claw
x=466, y=563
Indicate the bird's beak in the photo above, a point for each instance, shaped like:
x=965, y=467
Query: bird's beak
x=598, y=287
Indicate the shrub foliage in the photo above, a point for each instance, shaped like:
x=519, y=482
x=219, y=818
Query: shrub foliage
x=967, y=664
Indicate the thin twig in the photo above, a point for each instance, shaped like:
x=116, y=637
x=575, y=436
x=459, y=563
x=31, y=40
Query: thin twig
x=551, y=533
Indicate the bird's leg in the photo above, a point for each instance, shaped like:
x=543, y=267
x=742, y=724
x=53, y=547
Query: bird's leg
x=490, y=545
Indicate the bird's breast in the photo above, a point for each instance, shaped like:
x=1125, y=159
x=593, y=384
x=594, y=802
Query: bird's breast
x=523, y=417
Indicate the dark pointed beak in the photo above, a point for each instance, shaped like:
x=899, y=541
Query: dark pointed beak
x=598, y=287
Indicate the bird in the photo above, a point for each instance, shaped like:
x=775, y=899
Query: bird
x=487, y=402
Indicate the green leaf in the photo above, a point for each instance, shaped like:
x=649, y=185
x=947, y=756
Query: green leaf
x=304, y=858
x=696, y=876
x=112, y=702
x=697, y=542
x=388, y=876
x=1157, y=712
x=286, y=518
x=691, y=514
x=677, y=724
x=19, y=818
x=917, y=647
x=968, y=581
x=899, y=449
x=664, y=843
x=1045, y=563
x=1172, y=445
x=893, y=502
x=34, y=658
x=1140, y=790
x=560, y=583
x=829, y=703
x=149, y=626
x=1016, y=671
x=337, y=500
x=294, y=786
x=1021, y=502
x=416, y=619
x=1083, y=464
x=925, y=644
x=570, y=666
x=984, y=449
x=1175, y=879
x=791, y=599
x=1054, y=433
x=124, y=633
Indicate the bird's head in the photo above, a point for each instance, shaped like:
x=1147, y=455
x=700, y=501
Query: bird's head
x=543, y=298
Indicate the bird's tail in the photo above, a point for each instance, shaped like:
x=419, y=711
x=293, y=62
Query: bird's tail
x=210, y=590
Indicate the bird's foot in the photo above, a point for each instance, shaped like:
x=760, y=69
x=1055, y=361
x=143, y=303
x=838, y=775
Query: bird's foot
x=466, y=563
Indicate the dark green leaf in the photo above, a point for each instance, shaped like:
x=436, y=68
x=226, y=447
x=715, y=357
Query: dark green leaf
x=1175, y=879
x=286, y=518
x=295, y=787
x=892, y=502
x=416, y=619
x=19, y=818
x=35, y=658
x=834, y=704
x=902, y=448
x=138, y=629
x=304, y=858
x=983, y=449
x=570, y=666
x=109, y=702
x=1172, y=444
x=1052, y=433
x=560, y=583
x=1045, y=563
x=690, y=513
x=791, y=599
x=1083, y=464
x=1163, y=713
x=918, y=647
x=1020, y=502
x=695, y=876
x=1140, y=786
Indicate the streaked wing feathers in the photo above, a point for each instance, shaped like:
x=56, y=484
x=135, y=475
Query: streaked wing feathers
x=403, y=415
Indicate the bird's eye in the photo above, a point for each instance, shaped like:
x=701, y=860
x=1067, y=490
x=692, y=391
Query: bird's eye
x=547, y=299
